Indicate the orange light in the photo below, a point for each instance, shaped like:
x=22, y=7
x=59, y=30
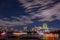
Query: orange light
x=49, y=36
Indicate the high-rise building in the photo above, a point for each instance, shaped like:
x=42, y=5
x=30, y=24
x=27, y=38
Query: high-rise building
x=16, y=30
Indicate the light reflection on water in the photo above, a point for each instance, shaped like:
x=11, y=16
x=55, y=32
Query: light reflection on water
x=51, y=38
x=43, y=37
x=28, y=39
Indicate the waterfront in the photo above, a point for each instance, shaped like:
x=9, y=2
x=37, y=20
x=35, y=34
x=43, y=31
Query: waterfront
x=33, y=37
x=28, y=39
x=36, y=33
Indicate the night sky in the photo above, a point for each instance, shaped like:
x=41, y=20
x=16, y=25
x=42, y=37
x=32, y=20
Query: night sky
x=30, y=13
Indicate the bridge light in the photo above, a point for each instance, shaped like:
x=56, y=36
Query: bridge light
x=45, y=26
x=39, y=27
x=46, y=30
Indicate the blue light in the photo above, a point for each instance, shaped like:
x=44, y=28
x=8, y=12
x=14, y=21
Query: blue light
x=46, y=30
x=39, y=31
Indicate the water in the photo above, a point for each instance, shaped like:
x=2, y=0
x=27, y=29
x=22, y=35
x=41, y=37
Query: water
x=29, y=39
x=55, y=37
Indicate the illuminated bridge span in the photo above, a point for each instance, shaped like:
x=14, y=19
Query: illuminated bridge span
x=52, y=28
x=46, y=29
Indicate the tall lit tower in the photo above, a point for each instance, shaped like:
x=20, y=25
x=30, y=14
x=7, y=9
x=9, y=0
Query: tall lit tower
x=45, y=25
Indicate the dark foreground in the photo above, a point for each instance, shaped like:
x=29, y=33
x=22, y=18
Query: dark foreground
x=20, y=39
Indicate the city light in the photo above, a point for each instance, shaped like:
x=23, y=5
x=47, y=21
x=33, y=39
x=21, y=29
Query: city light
x=43, y=32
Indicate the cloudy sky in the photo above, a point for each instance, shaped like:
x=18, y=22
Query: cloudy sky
x=19, y=13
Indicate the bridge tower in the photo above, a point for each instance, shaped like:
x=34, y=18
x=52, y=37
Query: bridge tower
x=45, y=25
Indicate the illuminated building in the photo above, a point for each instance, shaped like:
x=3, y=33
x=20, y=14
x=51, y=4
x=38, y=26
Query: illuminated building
x=25, y=29
x=16, y=30
x=45, y=26
x=39, y=27
x=34, y=29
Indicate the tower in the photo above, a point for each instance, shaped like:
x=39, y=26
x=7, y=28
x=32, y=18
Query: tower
x=45, y=25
